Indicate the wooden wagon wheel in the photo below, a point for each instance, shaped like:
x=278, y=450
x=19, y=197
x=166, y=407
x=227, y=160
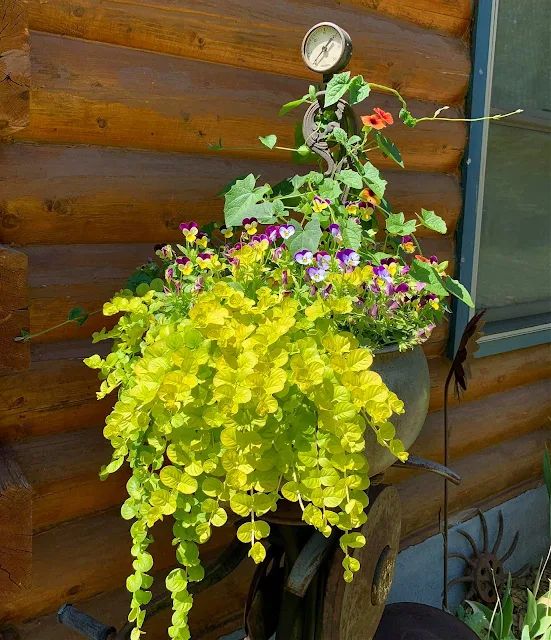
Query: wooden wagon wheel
x=352, y=611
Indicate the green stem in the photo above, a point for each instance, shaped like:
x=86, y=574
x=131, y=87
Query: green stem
x=498, y=116
x=385, y=89
x=30, y=336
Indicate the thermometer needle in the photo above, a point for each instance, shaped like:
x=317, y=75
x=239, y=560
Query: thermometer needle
x=324, y=48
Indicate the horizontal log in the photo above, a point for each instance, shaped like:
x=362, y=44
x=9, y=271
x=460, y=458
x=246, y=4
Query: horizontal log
x=480, y=424
x=92, y=93
x=54, y=194
x=216, y=611
x=15, y=526
x=267, y=36
x=492, y=374
x=442, y=15
x=15, y=67
x=58, y=392
x=14, y=310
x=90, y=555
x=484, y=474
x=63, y=468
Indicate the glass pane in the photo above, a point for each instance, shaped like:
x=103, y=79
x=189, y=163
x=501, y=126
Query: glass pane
x=514, y=271
x=522, y=73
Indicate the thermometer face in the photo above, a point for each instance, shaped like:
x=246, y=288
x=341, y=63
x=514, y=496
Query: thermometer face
x=326, y=48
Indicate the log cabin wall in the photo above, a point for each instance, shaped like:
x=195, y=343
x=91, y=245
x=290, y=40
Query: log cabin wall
x=105, y=155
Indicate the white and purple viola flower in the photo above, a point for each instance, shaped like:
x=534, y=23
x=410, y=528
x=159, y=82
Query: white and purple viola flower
x=286, y=231
x=335, y=230
x=316, y=274
x=348, y=258
x=323, y=259
x=304, y=256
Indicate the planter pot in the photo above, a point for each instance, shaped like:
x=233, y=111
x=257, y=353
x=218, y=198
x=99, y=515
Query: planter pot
x=407, y=374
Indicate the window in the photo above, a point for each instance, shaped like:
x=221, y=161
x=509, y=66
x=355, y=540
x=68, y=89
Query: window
x=505, y=239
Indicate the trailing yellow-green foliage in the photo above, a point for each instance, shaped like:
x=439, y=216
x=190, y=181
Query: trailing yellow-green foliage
x=230, y=402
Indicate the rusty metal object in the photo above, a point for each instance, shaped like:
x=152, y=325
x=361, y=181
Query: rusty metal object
x=316, y=134
x=352, y=611
x=421, y=464
x=485, y=573
x=413, y=621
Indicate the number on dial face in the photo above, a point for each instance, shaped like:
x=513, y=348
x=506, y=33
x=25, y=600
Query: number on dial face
x=323, y=48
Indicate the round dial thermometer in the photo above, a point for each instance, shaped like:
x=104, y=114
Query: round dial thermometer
x=326, y=48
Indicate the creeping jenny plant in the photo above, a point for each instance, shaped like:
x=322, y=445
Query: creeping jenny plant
x=242, y=360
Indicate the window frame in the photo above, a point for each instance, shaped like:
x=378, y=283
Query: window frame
x=474, y=172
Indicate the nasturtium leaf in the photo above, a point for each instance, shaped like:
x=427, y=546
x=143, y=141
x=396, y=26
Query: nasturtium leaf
x=432, y=221
x=329, y=188
x=350, y=178
x=406, y=117
x=458, y=290
x=336, y=88
x=303, y=150
x=78, y=315
x=352, y=233
x=389, y=149
x=268, y=141
x=396, y=225
x=359, y=90
x=257, y=552
x=373, y=178
x=241, y=198
x=340, y=135
x=289, y=106
x=306, y=238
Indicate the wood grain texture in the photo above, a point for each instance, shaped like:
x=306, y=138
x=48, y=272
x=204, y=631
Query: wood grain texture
x=91, y=93
x=63, y=468
x=57, y=393
x=484, y=474
x=14, y=67
x=54, y=194
x=450, y=16
x=266, y=36
x=15, y=527
x=482, y=423
x=90, y=555
x=14, y=310
x=215, y=612
x=493, y=373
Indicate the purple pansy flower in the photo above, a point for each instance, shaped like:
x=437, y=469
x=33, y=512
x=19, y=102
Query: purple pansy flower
x=325, y=293
x=278, y=252
x=272, y=232
x=381, y=272
x=323, y=259
x=403, y=287
x=166, y=252
x=169, y=274
x=189, y=226
x=286, y=231
x=348, y=258
x=316, y=274
x=373, y=311
x=304, y=256
x=335, y=230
